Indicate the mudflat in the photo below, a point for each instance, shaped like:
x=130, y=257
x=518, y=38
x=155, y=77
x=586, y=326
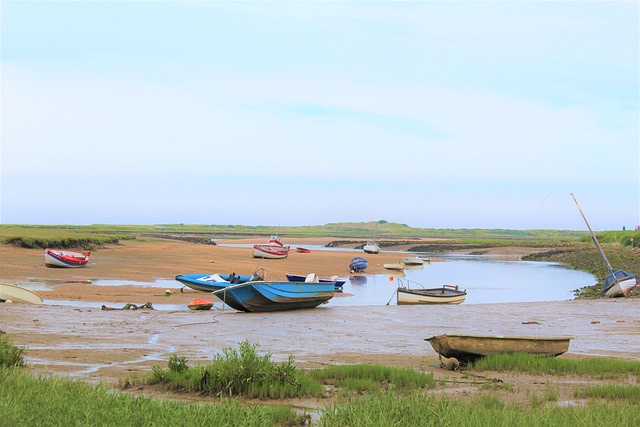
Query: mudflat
x=105, y=346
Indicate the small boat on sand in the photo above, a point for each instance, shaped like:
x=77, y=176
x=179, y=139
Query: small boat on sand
x=15, y=293
x=447, y=294
x=371, y=248
x=467, y=348
x=394, y=266
x=358, y=265
x=65, y=258
x=301, y=250
x=273, y=249
x=200, y=304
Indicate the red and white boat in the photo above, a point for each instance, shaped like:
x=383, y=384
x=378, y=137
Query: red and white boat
x=273, y=249
x=65, y=258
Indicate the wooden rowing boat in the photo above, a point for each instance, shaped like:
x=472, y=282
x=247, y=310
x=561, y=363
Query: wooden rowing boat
x=65, y=258
x=468, y=348
x=447, y=294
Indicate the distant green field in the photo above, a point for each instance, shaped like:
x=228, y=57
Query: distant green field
x=362, y=230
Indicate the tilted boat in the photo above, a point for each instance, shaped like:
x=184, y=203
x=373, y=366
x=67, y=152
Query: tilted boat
x=300, y=278
x=467, y=348
x=15, y=293
x=447, y=294
x=358, y=265
x=620, y=282
x=273, y=249
x=254, y=294
x=301, y=250
x=65, y=258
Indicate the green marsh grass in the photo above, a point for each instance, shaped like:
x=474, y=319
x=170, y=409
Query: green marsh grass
x=240, y=372
x=10, y=355
x=390, y=409
x=363, y=377
x=594, y=367
x=51, y=401
x=610, y=391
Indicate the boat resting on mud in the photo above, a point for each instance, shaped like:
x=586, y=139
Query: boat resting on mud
x=65, y=258
x=467, y=348
x=447, y=294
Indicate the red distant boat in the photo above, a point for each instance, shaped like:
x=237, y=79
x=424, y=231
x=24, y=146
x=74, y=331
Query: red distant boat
x=303, y=250
x=65, y=258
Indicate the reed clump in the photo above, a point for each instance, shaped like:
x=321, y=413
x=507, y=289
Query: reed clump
x=241, y=372
x=10, y=355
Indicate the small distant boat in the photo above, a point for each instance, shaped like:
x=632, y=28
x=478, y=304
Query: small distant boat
x=358, y=265
x=467, y=348
x=394, y=266
x=303, y=250
x=371, y=248
x=200, y=304
x=447, y=294
x=299, y=278
x=620, y=282
x=254, y=294
x=412, y=260
x=15, y=293
x=65, y=258
x=273, y=249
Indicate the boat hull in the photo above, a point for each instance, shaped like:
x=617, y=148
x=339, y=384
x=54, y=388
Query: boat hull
x=15, y=293
x=393, y=266
x=412, y=260
x=270, y=251
x=371, y=248
x=444, y=295
x=358, y=265
x=261, y=296
x=468, y=348
x=619, y=284
x=200, y=304
x=65, y=258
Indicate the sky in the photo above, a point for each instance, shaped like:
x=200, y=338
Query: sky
x=431, y=114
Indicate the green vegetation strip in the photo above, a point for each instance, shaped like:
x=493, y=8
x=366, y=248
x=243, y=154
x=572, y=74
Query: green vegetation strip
x=594, y=367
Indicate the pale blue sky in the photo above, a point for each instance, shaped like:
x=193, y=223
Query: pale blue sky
x=432, y=114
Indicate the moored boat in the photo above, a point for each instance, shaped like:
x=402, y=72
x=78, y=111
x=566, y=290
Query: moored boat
x=254, y=294
x=65, y=258
x=303, y=250
x=467, y=348
x=447, y=294
x=15, y=293
x=371, y=248
x=394, y=266
x=412, y=260
x=358, y=265
x=273, y=249
x=620, y=282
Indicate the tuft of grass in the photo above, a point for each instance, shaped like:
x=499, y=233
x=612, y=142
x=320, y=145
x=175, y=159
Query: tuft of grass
x=10, y=355
x=399, y=378
x=610, y=392
x=594, y=367
x=240, y=372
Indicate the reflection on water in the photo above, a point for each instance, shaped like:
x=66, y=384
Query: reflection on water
x=486, y=280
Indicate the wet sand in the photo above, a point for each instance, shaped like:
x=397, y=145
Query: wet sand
x=107, y=346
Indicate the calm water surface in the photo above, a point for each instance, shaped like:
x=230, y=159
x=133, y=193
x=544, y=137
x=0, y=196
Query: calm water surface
x=486, y=279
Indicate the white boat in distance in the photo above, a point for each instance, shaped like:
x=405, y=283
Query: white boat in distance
x=447, y=294
x=371, y=248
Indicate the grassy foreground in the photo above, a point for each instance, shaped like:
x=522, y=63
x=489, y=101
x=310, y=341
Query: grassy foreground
x=50, y=401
